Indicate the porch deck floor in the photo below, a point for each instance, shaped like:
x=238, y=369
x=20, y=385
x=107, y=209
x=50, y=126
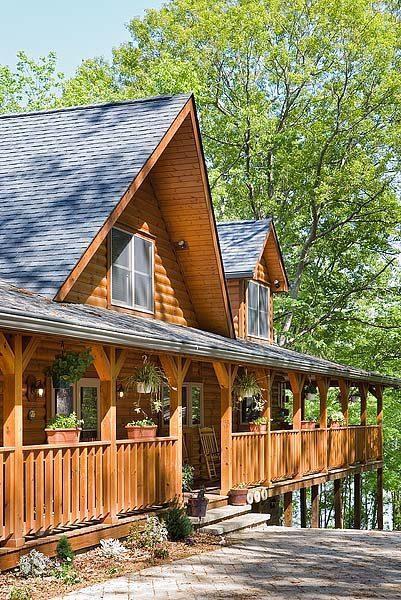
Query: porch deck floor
x=273, y=562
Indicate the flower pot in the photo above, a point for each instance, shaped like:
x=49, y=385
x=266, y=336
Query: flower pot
x=238, y=497
x=197, y=507
x=63, y=436
x=257, y=428
x=335, y=424
x=141, y=432
x=308, y=424
x=143, y=388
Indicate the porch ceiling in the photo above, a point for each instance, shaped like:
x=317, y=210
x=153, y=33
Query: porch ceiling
x=25, y=311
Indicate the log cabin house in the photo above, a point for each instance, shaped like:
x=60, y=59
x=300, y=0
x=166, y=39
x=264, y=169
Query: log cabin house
x=109, y=242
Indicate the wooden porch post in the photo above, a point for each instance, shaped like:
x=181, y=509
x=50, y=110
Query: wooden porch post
x=175, y=372
x=379, y=475
x=105, y=367
x=288, y=509
x=363, y=389
x=315, y=516
x=297, y=382
x=338, y=508
x=266, y=382
x=11, y=366
x=303, y=507
x=224, y=377
x=357, y=501
x=344, y=387
x=323, y=385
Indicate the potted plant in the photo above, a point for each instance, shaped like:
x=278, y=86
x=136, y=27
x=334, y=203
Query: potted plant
x=141, y=430
x=258, y=425
x=310, y=391
x=69, y=367
x=246, y=386
x=336, y=420
x=64, y=429
x=238, y=494
x=197, y=505
x=147, y=378
x=308, y=423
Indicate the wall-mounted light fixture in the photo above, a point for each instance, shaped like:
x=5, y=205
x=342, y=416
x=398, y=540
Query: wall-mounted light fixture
x=35, y=388
x=181, y=245
x=276, y=284
x=120, y=390
x=31, y=415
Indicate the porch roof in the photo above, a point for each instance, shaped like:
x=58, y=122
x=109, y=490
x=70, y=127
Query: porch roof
x=26, y=311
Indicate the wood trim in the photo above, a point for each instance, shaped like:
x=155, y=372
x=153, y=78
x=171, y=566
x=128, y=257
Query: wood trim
x=101, y=363
x=272, y=231
x=123, y=203
x=122, y=357
x=170, y=368
x=29, y=351
x=222, y=374
x=7, y=355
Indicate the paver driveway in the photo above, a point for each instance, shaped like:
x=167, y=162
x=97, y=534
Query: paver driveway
x=272, y=563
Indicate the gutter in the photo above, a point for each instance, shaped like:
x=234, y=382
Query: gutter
x=15, y=320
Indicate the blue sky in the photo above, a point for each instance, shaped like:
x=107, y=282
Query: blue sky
x=74, y=29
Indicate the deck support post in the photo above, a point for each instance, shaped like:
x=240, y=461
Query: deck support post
x=363, y=390
x=11, y=367
x=288, y=509
x=344, y=387
x=303, y=507
x=338, y=508
x=357, y=500
x=175, y=373
x=315, y=512
x=105, y=366
x=297, y=382
x=266, y=379
x=225, y=376
x=323, y=386
x=379, y=499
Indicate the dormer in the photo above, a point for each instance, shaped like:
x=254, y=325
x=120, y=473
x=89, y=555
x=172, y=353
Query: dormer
x=254, y=271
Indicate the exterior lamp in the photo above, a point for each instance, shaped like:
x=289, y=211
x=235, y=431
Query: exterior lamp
x=276, y=284
x=120, y=390
x=34, y=388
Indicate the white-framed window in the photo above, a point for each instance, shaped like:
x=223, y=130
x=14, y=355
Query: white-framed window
x=131, y=270
x=83, y=399
x=258, y=310
x=192, y=404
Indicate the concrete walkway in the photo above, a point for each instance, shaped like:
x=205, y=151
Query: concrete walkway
x=272, y=563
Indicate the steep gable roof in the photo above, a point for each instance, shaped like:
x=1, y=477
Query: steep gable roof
x=62, y=172
x=244, y=243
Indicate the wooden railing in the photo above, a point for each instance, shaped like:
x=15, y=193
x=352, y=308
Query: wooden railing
x=64, y=485
x=6, y=475
x=249, y=451
x=145, y=473
x=296, y=454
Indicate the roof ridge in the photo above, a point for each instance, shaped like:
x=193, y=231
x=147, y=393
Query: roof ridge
x=92, y=106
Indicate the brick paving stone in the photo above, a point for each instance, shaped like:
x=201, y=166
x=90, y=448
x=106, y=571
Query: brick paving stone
x=277, y=563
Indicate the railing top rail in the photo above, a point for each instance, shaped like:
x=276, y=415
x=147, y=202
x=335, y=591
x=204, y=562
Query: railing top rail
x=65, y=446
x=148, y=441
x=248, y=433
x=5, y=449
x=289, y=431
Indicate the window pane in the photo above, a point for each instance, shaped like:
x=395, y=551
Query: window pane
x=64, y=401
x=263, y=321
x=121, y=285
x=196, y=393
x=185, y=406
x=120, y=248
x=142, y=255
x=253, y=294
x=89, y=408
x=252, y=321
x=143, y=291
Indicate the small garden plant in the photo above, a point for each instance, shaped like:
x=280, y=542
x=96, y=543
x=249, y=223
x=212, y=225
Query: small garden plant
x=65, y=422
x=69, y=367
x=142, y=423
x=178, y=524
x=246, y=386
x=187, y=478
x=149, y=375
x=111, y=548
x=260, y=421
x=64, y=551
x=35, y=564
x=20, y=592
x=153, y=538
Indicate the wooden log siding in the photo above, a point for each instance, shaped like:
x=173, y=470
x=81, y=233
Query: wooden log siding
x=249, y=458
x=6, y=469
x=145, y=473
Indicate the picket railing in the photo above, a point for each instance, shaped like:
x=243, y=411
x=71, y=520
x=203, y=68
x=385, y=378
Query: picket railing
x=285, y=454
x=249, y=452
x=6, y=476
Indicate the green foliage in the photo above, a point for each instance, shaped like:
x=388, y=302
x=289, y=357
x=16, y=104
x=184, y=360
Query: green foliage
x=246, y=385
x=142, y=423
x=260, y=421
x=65, y=422
x=187, y=477
x=148, y=374
x=20, y=592
x=152, y=538
x=178, y=524
x=70, y=367
x=64, y=550
x=67, y=574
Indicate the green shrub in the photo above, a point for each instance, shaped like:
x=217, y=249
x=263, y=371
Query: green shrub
x=178, y=524
x=64, y=551
x=67, y=574
x=187, y=477
x=20, y=593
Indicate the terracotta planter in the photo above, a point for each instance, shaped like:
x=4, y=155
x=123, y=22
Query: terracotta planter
x=238, y=497
x=308, y=424
x=255, y=428
x=143, y=388
x=141, y=432
x=63, y=436
x=335, y=424
x=197, y=507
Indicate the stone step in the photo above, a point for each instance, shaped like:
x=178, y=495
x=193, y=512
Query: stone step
x=236, y=524
x=216, y=515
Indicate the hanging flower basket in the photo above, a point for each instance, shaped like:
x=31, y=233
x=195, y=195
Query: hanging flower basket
x=147, y=379
x=310, y=391
x=246, y=386
x=69, y=367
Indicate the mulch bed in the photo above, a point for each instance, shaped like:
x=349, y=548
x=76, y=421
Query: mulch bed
x=92, y=568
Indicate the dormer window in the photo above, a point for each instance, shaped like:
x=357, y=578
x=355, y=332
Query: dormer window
x=131, y=270
x=258, y=310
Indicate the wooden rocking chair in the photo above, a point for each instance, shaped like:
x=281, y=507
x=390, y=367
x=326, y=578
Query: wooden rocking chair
x=210, y=451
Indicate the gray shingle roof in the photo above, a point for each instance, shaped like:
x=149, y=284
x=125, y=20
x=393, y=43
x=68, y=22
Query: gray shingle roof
x=62, y=173
x=26, y=311
x=241, y=243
